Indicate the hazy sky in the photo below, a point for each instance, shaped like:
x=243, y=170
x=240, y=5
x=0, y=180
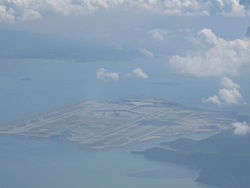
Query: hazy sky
x=197, y=38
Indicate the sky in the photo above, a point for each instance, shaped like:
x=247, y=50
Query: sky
x=199, y=39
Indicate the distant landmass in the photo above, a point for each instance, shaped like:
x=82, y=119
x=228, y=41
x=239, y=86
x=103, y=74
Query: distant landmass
x=222, y=160
x=45, y=46
x=104, y=125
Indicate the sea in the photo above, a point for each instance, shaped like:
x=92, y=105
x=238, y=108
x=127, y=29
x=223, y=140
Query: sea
x=31, y=86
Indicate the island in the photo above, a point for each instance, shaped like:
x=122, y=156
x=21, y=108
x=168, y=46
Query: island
x=102, y=125
x=222, y=160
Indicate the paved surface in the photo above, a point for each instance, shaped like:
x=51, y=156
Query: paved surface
x=105, y=125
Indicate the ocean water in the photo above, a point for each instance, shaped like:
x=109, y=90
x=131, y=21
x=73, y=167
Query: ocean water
x=28, y=87
x=38, y=163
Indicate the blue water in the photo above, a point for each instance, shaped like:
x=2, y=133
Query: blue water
x=29, y=162
x=32, y=86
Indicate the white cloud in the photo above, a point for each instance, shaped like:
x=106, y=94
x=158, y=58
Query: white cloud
x=146, y=52
x=229, y=95
x=31, y=15
x=213, y=56
x=216, y=57
x=213, y=99
x=139, y=73
x=6, y=15
x=232, y=8
x=158, y=34
x=228, y=83
x=241, y=128
x=104, y=74
x=81, y=7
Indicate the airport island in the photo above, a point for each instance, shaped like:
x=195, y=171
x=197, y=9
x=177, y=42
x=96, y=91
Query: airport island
x=106, y=125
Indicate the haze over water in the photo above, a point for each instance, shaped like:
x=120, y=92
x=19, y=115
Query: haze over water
x=60, y=52
x=31, y=162
x=31, y=86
